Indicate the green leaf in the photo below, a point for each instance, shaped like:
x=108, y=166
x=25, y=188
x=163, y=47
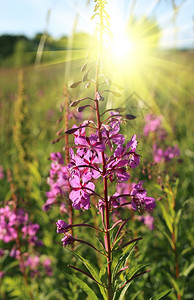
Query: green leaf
x=103, y=273
x=90, y=268
x=8, y=195
x=82, y=285
x=188, y=270
x=124, y=290
x=94, y=16
x=92, y=271
x=168, y=219
x=75, y=84
x=116, y=94
x=134, y=270
x=173, y=282
x=161, y=295
x=168, y=238
x=75, y=103
x=120, y=87
x=85, y=77
x=123, y=259
x=10, y=266
x=177, y=219
x=83, y=68
x=130, y=275
x=96, y=7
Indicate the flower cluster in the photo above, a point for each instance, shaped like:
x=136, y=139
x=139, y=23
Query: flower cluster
x=160, y=153
x=34, y=263
x=165, y=155
x=63, y=227
x=140, y=201
x=16, y=227
x=85, y=165
x=13, y=222
x=153, y=124
x=148, y=220
x=58, y=180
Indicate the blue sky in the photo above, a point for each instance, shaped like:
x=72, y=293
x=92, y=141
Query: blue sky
x=29, y=17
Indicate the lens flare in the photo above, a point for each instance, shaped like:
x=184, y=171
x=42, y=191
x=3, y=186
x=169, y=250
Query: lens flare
x=122, y=47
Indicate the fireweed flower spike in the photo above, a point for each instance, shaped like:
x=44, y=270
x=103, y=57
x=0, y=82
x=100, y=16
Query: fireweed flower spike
x=15, y=227
x=161, y=152
x=102, y=155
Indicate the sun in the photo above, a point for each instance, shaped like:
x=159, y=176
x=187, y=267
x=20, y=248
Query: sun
x=122, y=46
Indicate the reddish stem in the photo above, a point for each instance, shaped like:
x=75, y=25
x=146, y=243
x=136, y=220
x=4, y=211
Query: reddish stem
x=107, y=222
x=70, y=218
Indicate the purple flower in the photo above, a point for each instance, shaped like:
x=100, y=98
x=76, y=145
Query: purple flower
x=89, y=161
x=68, y=239
x=80, y=195
x=165, y=155
x=153, y=123
x=110, y=133
x=62, y=226
x=131, y=156
x=47, y=266
x=90, y=144
x=148, y=220
x=171, y=152
x=30, y=229
x=140, y=201
x=58, y=180
x=57, y=157
x=32, y=262
x=122, y=157
x=113, y=200
x=81, y=132
x=7, y=221
x=15, y=253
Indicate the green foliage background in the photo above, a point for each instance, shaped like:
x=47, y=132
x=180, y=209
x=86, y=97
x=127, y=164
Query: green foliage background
x=28, y=123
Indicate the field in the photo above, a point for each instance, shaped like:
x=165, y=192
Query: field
x=33, y=115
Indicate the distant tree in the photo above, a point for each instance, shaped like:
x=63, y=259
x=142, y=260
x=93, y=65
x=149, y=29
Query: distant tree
x=23, y=54
x=7, y=45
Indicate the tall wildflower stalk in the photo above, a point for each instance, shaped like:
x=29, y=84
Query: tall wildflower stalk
x=21, y=134
x=101, y=155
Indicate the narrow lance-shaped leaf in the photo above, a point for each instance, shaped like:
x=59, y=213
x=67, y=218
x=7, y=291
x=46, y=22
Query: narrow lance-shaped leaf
x=87, y=86
x=168, y=219
x=162, y=295
x=92, y=271
x=85, y=77
x=82, y=285
x=123, y=259
x=127, y=284
x=116, y=94
x=83, y=272
x=84, y=67
x=177, y=219
x=75, y=84
x=75, y=103
x=90, y=268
